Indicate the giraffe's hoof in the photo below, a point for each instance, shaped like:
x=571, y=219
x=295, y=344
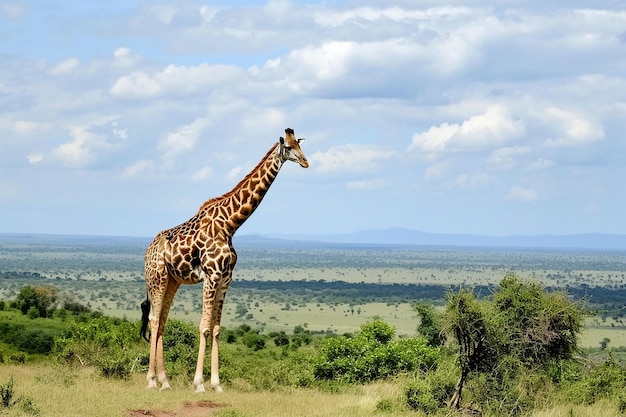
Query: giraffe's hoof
x=165, y=387
x=217, y=388
x=200, y=388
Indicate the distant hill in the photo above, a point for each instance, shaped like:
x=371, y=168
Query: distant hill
x=399, y=236
x=364, y=238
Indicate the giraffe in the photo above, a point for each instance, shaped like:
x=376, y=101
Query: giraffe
x=201, y=250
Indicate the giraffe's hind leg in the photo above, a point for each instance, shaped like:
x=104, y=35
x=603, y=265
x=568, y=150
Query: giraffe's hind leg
x=210, y=324
x=160, y=307
x=172, y=287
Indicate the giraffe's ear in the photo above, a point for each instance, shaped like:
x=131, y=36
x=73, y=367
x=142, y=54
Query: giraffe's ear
x=300, y=140
x=282, y=140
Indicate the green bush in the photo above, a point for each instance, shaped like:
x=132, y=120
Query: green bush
x=110, y=345
x=430, y=391
x=607, y=380
x=253, y=340
x=420, y=397
x=371, y=355
x=8, y=399
x=510, y=346
x=33, y=313
x=6, y=393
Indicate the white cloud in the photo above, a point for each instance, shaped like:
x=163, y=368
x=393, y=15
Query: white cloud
x=34, y=159
x=138, y=168
x=90, y=142
x=208, y=13
x=507, y=157
x=437, y=170
x=234, y=173
x=27, y=127
x=330, y=60
x=184, y=139
x=336, y=18
x=65, y=67
x=202, y=174
x=77, y=153
x=519, y=193
x=571, y=129
x=175, y=80
x=13, y=9
x=120, y=133
x=122, y=51
x=490, y=129
x=164, y=13
x=269, y=118
x=350, y=158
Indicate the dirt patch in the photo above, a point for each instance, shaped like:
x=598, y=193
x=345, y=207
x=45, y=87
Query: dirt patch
x=187, y=409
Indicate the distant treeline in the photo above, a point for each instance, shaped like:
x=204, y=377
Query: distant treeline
x=598, y=297
x=342, y=291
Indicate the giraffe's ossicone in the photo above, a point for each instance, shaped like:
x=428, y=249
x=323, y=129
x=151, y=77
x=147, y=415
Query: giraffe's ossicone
x=201, y=250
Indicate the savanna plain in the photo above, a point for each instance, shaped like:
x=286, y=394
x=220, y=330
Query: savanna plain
x=286, y=300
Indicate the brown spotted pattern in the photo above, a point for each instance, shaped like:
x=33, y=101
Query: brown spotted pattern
x=201, y=250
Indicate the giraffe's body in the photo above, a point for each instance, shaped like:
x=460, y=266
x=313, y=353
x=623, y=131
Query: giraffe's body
x=201, y=250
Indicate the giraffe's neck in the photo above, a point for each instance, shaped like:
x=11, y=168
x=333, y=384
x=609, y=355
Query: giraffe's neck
x=239, y=203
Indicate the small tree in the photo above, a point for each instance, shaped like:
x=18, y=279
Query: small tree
x=522, y=324
x=467, y=323
x=430, y=325
x=41, y=297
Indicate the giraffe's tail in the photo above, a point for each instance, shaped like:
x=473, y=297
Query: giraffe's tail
x=145, y=314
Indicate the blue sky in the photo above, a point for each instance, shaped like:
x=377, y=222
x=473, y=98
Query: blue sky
x=468, y=116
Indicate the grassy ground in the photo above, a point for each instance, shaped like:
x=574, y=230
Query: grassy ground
x=57, y=391
x=60, y=391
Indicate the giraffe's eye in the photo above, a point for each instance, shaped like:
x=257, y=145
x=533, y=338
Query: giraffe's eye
x=288, y=148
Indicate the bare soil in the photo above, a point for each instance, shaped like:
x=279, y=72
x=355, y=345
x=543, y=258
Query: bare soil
x=187, y=409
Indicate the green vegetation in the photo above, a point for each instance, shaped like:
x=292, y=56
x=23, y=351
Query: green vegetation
x=371, y=354
x=350, y=331
x=511, y=353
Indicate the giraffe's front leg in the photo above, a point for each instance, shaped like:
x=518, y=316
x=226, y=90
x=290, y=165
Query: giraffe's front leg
x=198, y=379
x=153, y=353
x=208, y=297
x=215, y=373
x=217, y=316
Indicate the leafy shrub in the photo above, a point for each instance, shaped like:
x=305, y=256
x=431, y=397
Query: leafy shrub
x=420, y=397
x=377, y=331
x=371, y=355
x=430, y=325
x=29, y=341
x=280, y=338
x=33, y=313
x=607, y=380
x=18, y=357
x=512, y=343
x=6, y=393
x=116, y=366
x=108, y=344
x=430, y=391
x=253, y=340
x=8, y=399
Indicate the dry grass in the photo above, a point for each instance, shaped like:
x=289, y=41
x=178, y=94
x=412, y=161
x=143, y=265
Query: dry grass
x=60, y=391
x=600, y=409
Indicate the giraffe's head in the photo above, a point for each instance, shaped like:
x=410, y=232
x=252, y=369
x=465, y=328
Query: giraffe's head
x=290, y=149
